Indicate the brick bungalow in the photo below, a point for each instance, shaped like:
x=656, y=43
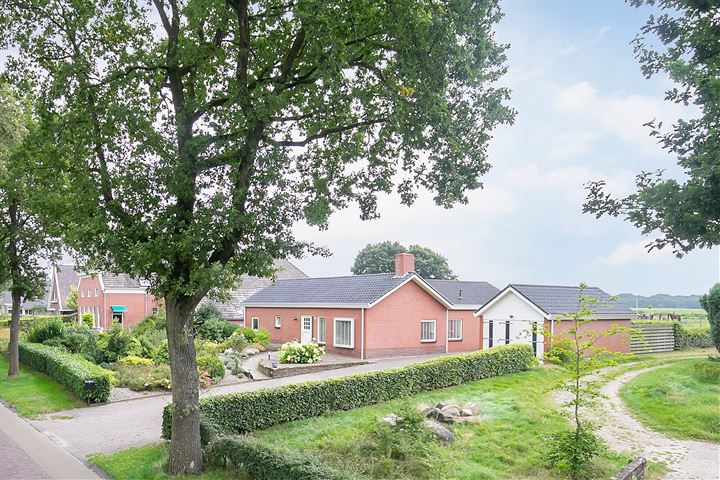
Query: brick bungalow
x=114, y=298
x=373, y=316
x=509, y=317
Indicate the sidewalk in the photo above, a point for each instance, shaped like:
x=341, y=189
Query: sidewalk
x=110, y=428
x=26, y=454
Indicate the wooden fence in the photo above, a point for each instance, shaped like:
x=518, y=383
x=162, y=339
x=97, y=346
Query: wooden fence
x=635, y=470
x=652, y=338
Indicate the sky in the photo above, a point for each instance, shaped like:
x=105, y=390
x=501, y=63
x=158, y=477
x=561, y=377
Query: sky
x=582, y=102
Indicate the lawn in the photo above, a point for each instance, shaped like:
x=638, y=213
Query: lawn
x=674, y=400
x=34, y=393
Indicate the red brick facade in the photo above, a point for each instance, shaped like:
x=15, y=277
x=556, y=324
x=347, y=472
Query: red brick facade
x=614, y=343
x=98, y=302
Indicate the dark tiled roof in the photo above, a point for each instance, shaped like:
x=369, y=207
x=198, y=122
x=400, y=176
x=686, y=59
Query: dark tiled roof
x=350, y=290
x=120, y=280
x=232, y=308
x=557, y=300
x=27, y=304
x=67, y=277
x=460, y=292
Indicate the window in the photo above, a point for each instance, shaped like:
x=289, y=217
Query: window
x=277, y=321
x=96, y=292
x=427, y=331
x=455, y=329
x=321, y=330
x=255, y=323
x=344, y=335
x=82, y=292
x=155, y=310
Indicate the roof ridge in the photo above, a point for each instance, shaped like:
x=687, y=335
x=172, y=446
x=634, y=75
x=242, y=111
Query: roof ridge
x=340, y=276
x=550, y=286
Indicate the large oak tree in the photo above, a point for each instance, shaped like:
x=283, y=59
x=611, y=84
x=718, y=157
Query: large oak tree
x=198, y=132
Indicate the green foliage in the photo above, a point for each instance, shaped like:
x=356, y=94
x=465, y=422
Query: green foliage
x=691, y=337
x=708, y=371
x=120, y=343
x=260, y=336
x=71, y=302
x=161, y=355
x=380, y=258
x=711, y=304
x=46, y=328
x=407, y=439
x=294, y=352
x=215, y=329
x=140, y=376
x=248, y=411
x=87, y=320
x=572, y=450
x=135, y=360
x=205, y=312
x=685, y=212
x=78, y=339
x=212, y=365
x=68, y=369
x=262, y=462
x=237, y=341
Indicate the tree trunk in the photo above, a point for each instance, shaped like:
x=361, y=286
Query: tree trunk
x=13, y=350
x=185, y=448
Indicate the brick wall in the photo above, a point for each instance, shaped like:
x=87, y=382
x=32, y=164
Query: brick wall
x=615, y=343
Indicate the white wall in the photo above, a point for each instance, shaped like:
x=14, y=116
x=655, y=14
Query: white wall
x=515, y=310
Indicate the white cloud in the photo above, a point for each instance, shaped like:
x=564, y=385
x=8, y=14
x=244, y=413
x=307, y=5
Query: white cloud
x=632, y=253
x=600, y=34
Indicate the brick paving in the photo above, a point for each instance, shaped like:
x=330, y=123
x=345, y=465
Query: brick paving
x=112, y=427
x=16, y=464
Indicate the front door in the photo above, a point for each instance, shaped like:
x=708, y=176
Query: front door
x=306, y=329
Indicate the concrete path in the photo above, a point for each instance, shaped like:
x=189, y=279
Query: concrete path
x=686, y=459
x=26, y=454
x=118, y=426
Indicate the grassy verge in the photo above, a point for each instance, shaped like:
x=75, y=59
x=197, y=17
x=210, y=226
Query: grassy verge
x=147, y=463
x=675, y=401
x=34, y=393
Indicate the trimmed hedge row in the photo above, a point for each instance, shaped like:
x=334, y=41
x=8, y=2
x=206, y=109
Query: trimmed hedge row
x=68, y=369
x=245, y=412
x=687, y=337
x=263, y=462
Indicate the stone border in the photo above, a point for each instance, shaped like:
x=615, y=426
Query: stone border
x=291, y=369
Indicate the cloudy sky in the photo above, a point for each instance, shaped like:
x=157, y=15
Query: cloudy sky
x=581, y=102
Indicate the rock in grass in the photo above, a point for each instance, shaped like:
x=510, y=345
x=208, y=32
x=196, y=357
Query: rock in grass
x=441, y=433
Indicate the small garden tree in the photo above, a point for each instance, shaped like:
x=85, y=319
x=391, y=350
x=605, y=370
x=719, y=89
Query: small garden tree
x=711, y=303
x=576, y=351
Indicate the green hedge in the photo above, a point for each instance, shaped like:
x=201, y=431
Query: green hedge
x=68, y=369
x=687, y=337
x=245, y=412
x=262, y=462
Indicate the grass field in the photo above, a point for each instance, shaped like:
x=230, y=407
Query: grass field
x=34, y=393
x=676, y=401
x=690, y=316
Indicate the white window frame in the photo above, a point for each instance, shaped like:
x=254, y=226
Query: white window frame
x=321, y=331
x=255, y=323
x=352, y=332
x=427, y=340
x=459, y=330
x=96, y=292
x=278, y=321
x=82, y=293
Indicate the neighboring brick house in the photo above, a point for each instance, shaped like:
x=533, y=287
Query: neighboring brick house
x=114, y=298
x=62, y=278
x=518, y=313
x=232, y=308
x=372, y=316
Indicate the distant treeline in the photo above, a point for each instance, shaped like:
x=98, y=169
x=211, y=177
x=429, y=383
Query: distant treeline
x=661, y=300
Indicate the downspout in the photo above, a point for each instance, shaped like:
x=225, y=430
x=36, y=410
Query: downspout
x=362, y=334
x=447, y=324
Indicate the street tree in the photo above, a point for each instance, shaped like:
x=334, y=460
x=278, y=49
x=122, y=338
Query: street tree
x=380, y=258
x=197, y=133
x=24, y=241
x=682, y=42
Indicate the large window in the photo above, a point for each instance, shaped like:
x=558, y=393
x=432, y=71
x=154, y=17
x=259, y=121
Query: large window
x=455, y=329
x=277, y=321
x=427, y=331
x=321, y=330
x=344, y=333
x=255, y=323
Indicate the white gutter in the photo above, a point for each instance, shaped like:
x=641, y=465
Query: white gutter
x=362, y=334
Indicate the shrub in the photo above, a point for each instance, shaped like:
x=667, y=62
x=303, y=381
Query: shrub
x=215, y=329
x=263, y=462
x=135, y=360
x=162, y=354
x=203, y=347
x=570, y=452
x=68, y=369
x=261, y=336
x=205, y=312
x=142, y=377
x=294, y=352
x=87, y=320
x=711, y=303
x=691, y=337
x=212, y=365
x=708, y=371
x=237, y=342
x=45, y=329
x=150, y=341
x=407, y=438
x=247, y=411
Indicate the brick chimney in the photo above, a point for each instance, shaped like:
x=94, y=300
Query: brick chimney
x=404, y=263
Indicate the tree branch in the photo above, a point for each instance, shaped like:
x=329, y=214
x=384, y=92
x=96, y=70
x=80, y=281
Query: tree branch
x=324, y=133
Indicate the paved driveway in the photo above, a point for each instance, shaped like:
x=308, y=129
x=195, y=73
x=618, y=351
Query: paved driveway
x=117, y=426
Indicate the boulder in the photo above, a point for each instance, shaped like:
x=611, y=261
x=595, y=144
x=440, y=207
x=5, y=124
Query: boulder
x=441, y=433
x=446, y=418
x=432, y=412
x=466, y=412
x=251, y=351
x=440, y=405
x=390, y=419
x=473, y=407
x=453, y=410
